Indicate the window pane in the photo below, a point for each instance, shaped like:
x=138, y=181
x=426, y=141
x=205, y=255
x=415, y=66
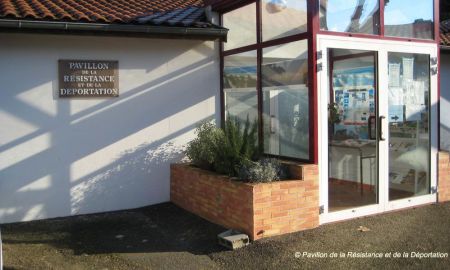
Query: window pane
x=285, y=100
x=405, y=18
x=239, y=85
x=353, y=16
x=242, y=27
x=281, y=18
x=409, y=134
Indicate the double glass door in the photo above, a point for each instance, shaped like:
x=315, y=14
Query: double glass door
x=378, y=147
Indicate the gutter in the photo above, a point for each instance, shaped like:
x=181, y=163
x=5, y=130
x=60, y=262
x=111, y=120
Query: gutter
x=151, y=30
x=445, y=48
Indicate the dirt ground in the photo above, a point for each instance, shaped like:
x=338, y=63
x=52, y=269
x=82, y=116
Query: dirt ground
x=167, y=237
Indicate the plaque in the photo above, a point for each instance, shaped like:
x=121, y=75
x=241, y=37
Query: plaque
x=88, y=78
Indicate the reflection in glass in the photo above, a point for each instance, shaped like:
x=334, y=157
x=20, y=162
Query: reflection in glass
x=239, y=85
x=412, y=19
x=352, y=179
x=352, y=16
x=242, y=27
x=285, y=100
x=409, y=137
x=281, y=18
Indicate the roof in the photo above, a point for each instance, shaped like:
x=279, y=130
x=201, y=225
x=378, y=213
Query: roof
x=157, y=12
x=419, y=29
x=174, y=18
x=445, y=33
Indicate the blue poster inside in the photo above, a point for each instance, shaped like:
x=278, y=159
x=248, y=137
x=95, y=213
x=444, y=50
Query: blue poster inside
x=354, y=95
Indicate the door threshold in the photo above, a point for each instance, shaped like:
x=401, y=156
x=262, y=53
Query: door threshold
x=377, y=214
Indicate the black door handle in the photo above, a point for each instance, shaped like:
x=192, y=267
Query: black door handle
x=372, y=125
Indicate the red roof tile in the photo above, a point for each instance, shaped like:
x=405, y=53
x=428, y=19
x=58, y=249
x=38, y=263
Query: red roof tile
x=445, y=33
x=171, y=12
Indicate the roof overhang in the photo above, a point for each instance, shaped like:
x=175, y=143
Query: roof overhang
x=151, y=31
x=445, y=49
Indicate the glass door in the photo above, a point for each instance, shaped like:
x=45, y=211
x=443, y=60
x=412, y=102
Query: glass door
x=377, y=125
x=410, y=105
x=409, y=126
x=352, y=130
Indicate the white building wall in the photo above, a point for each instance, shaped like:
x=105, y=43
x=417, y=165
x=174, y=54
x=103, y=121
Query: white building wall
x=61, y=157
x=445, y=101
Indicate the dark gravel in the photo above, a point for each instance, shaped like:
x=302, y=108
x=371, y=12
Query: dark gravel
x=167, y=237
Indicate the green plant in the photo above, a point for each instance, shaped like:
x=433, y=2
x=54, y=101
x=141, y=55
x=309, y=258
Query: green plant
x=333, y=113
x=237, y=145
x=202, y=150
x=262, y=171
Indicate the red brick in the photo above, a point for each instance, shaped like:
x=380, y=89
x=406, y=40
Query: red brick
x=280, y=214
x=280, y=192
x=274, y=208
x=444, y=178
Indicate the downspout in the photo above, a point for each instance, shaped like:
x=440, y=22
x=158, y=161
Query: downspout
x=193, y=32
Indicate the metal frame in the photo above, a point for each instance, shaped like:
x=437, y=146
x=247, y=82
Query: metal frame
x=1, y=251
x=382, y=47
x=319, y=76
x=313, y=30
x=381, y=34
x=258, y=47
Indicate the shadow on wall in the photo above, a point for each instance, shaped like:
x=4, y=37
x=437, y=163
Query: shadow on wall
x=445, y=137
x=64, y=157
x=149, y=159
x=445, y=101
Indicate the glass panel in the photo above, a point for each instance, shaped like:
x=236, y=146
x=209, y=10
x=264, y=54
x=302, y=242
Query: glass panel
x=239, y=84
x=353, y=168
x=281, y=18
x=242, y=27
x=409, y=137
x=406, y=18
x=353, y=16
x=285, y=100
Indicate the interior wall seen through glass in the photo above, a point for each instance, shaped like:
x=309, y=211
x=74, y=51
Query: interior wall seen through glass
x=352, y=16
x=285, y=100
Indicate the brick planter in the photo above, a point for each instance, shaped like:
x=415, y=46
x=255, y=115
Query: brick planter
x=260, y=210
x=444, y=177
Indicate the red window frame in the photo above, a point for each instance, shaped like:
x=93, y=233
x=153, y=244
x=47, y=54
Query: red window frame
x=258, y=47
x=313, y=29
x=381, y=35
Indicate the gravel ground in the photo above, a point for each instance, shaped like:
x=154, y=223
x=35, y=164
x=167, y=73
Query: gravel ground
x=167, y=237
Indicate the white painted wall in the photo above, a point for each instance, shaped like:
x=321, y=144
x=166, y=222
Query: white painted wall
x=445, y=101
x=61, y=157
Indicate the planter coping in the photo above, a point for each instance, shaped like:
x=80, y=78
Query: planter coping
x=226, y=178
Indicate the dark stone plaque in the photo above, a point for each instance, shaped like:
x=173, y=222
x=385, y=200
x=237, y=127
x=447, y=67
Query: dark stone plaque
x=88, y=78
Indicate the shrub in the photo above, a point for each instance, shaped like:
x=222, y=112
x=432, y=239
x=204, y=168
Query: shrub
x=233, y=151
x=237, y=145
x=202, y=150
x=262, y=171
